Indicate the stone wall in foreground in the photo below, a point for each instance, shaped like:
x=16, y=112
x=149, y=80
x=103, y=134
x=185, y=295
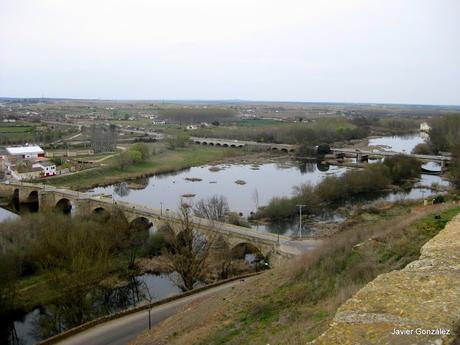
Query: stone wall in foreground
x=417, y=305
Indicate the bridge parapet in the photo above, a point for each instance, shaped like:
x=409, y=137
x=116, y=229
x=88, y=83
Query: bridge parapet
x=50, y=198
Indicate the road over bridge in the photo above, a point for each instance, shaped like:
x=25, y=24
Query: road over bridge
x=361, y=155
x=242, y=143
x=50, y=198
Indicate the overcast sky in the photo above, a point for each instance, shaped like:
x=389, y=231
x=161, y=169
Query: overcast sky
x=393, y=51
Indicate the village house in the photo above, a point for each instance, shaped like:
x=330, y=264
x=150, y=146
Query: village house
x=48, y=168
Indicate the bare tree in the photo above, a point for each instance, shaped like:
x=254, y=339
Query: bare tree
x=188, y=250
x=103, y=138
x=214, y=208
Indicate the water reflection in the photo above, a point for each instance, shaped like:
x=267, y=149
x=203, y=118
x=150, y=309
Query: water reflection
x=29, y=328
x=121, y=189
x=399, y=143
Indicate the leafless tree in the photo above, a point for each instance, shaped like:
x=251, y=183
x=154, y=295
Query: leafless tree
x=214, y=208
x=188, y=250
x=103, y=138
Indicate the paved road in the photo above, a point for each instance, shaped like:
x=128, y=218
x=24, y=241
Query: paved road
x=121, y=331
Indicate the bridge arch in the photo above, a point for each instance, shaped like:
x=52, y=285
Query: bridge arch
x=218, y=144
x=33, y=196
x=211, y=144
x=100, y=213
x=204, y=143
x=225, y=145
x=274, y=148
x=64, y=205
x=232, y=145
x=140, y=223
x=246, y=251
x=32, y=201
x=284, y=150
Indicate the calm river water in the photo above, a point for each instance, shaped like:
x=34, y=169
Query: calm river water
x=262, y=183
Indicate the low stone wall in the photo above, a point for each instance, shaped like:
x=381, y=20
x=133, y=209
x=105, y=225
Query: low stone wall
x=419, y=304
x=83, y=327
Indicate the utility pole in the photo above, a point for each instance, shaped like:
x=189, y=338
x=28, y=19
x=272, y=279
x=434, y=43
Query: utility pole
x=300, y=219
x=161, y=209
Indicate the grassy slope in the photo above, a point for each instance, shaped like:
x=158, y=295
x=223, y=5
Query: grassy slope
x=165, y=162
x=293, y=304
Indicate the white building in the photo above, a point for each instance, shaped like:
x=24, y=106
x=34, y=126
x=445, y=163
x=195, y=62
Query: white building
x=25, y=152
x=48, y=168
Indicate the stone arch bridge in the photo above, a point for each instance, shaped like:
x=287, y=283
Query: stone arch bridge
x=242, y=143
x=68, y=201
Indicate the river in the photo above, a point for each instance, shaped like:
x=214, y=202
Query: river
x=261, y=183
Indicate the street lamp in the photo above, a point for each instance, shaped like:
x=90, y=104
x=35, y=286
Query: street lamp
x=161, y=208
x=300, y=219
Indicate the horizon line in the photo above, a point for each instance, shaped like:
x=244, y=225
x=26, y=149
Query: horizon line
x=224, y=100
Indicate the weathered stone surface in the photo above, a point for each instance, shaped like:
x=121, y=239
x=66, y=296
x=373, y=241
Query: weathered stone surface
x=422, y=301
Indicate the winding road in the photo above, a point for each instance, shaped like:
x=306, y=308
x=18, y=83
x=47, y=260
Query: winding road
x=124, y=329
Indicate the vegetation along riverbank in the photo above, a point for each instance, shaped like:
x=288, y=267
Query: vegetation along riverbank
x=294, y=303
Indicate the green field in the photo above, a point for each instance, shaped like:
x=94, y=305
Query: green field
x=165, y=162
x=16, y=129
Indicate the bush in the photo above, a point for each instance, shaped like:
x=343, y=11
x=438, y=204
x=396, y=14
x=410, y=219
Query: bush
x=332, y=189
x=137, y=153
x=306, y=150
x=373, y=178
x=280, y=208
x=155, y=244
x=439, y=199
x=144, y=149
x=402, y=168
x=422, y=149
x=323, y=149
x=235, y=219
x=180, y=140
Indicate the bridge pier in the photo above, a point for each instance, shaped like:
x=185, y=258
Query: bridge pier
x=46, y=201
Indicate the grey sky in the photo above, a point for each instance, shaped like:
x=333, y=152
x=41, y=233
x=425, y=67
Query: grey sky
x=398, y=51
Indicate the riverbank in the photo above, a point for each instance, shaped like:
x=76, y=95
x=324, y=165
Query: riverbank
x=166, y=162
x=294, y=303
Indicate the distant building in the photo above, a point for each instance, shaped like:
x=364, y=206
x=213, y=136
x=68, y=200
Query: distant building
x=191, y=127
x=25, y=152
x=424, y=127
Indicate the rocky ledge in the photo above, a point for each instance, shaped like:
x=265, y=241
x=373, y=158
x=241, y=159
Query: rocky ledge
x=417, y=305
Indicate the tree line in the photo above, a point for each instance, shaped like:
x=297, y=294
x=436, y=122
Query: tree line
x=444, y=137
x=336, y=190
